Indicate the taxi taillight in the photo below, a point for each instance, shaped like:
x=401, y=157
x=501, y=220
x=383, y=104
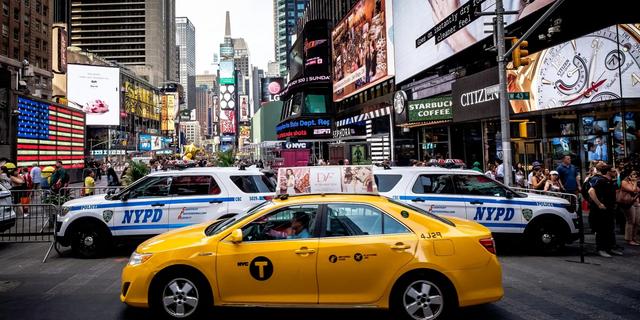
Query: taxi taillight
x=489, y=244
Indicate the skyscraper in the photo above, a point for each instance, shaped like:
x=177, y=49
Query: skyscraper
x=186, y=41
x=285, y=17
x=241, y=61
x=143, y=39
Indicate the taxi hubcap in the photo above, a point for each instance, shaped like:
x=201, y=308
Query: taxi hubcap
x=423, y=300
x=180, y=298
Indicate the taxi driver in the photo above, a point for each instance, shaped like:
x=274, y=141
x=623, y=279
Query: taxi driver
x=299, y=228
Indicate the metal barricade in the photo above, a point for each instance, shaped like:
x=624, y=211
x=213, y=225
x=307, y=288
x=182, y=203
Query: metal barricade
x=27, y=222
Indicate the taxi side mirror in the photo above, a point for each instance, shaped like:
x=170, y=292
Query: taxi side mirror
x=236, y=236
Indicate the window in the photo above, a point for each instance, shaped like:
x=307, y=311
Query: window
x=314, y=103
x=479, y=185
x=253, y=184
x=295, y=222
x=386, y=182
x=296, y=105
x=151, y=187
x=436, y=184
x=359, y=220
x=194, y=186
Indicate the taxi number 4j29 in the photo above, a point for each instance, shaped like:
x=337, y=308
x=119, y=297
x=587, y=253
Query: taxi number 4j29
x=495, y=214
x=142, y=216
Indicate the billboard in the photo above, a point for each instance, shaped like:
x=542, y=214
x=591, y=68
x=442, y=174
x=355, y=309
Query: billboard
x=227, y=96
x=596, y=67
x=228, y=122
x=145, y=142
x=362, y=48
x=244, y=108
x=271, y=88
x=344, y=179
x=95, y=90
x=48, y=132
x=427, y=32
x=226, y=72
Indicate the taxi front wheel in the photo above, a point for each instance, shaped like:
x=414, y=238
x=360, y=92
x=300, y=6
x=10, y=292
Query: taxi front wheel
x=423, y=298
x=179, y=295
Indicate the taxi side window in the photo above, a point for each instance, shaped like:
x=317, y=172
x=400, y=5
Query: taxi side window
x=194, y=186
x=345, y=220
x=294, y=222
x=479, y=185
x=153, y=187
x=433, y=184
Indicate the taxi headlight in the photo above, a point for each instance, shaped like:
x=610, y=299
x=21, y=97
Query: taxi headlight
x=139, y=258
x=64, y=211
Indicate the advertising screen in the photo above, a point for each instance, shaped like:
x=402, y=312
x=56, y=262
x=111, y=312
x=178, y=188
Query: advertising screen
x=244, y=108
x=227, y=96
x=227, y=122
x=271, y=88
x=596, y=67
x=47, y=133
x=362, y=50
x=95, y=90
x=427, y=32
x=226, y=72
x=145, y=142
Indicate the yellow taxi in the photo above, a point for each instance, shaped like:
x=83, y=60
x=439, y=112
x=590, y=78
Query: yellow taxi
x=318, y=250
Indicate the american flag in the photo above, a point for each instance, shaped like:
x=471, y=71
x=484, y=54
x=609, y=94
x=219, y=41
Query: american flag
x=49, y=132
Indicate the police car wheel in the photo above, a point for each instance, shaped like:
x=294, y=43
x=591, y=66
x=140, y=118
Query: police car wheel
x=88, y=241
x=179, y=295
x=423, y=298
x=546, y=238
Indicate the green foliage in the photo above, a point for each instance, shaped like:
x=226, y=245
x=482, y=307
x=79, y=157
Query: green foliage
x=226, y=158
x=135, y=171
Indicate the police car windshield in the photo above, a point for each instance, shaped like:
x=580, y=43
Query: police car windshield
x=421, y=211
x=125, y=189
x=218, y=226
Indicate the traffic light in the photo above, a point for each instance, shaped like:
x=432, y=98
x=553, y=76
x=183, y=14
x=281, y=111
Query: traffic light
x=520, y=52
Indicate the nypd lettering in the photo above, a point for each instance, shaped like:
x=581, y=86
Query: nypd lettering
x=494, y=214
x=142, y=216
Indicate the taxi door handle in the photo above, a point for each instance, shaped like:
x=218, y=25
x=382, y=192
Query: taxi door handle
x=158, y=205
x=400, y=246
x=476, y=202
x=305, y=250
x=417, y=200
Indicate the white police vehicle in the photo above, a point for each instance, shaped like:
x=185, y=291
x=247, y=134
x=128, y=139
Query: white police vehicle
x=159, y=202
x=7, y=214
x=546, y=222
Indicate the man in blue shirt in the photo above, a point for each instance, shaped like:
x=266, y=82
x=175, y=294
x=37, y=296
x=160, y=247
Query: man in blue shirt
x=569, y=175
x=36, y=176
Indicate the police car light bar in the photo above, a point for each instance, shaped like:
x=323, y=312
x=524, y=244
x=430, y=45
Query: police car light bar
x=326, y=179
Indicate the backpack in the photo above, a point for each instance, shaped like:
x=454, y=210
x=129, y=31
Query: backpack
x=587, y=185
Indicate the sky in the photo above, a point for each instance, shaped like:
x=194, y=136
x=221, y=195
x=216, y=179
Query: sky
x=250, y=19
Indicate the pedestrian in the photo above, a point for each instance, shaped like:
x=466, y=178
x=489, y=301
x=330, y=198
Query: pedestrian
x=538, y=180
x=112, y=177
x=519, y=176
x=476, y=167
x=28, y=186
x=499, y=170
x=98, y=170
x=36, y=176
x=569, y=175
x=553, y=184
x=18, y=188
x=60, y=178
x=5, y=179
x=89, y=184
x=602, y=195
x=628, y=201
x=491, y=173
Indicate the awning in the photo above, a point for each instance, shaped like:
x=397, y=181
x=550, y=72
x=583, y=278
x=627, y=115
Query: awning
x=423, y=123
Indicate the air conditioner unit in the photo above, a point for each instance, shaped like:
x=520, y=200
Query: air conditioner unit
x=28, y=71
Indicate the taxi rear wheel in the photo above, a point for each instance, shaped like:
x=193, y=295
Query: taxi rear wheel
x=180, y=295
x=423, y=297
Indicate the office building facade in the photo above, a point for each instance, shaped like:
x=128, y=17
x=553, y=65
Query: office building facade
x=285, y=16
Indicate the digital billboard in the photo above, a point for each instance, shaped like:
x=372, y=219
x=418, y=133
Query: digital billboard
x=227, y=96
x=362, y=48
x=244, y=108
x=227, y=75
x=145, y=142
x=228, y=122
x=47, y=132
x=427, y=32
x=95, y=90
x=271, y=88
x=597, y=67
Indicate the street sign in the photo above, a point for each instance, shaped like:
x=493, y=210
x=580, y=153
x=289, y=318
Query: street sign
x=518, y=95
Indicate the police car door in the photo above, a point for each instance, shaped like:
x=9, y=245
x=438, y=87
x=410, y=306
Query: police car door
x=143, y=209
x=435, y=193
x=489, y=204
x=196, y=198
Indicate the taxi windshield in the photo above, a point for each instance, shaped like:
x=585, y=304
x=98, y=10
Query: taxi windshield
x=220, y=226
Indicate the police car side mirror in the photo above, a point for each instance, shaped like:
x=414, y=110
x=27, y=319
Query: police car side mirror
x=509, y=194
x=125, y=196
x=236, y=236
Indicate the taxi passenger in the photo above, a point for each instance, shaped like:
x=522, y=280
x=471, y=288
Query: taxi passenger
x=299, y=228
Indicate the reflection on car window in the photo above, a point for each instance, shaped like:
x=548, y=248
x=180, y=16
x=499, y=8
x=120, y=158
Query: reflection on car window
x=219, y=227
x=295, y=222
x=433, y=184
x=386, y=182
x=359, y=219
x=194, y=186
x=150, y=188
x=253, y=184
x=479, y=185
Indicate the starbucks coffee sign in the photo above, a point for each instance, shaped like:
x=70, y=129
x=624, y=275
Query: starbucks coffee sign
x=438, y=108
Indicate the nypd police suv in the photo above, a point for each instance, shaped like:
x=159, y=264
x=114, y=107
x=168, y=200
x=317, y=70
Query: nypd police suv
x=546, y=222
x=157, y=203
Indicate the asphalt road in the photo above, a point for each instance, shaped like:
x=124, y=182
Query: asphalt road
x=537, y=288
